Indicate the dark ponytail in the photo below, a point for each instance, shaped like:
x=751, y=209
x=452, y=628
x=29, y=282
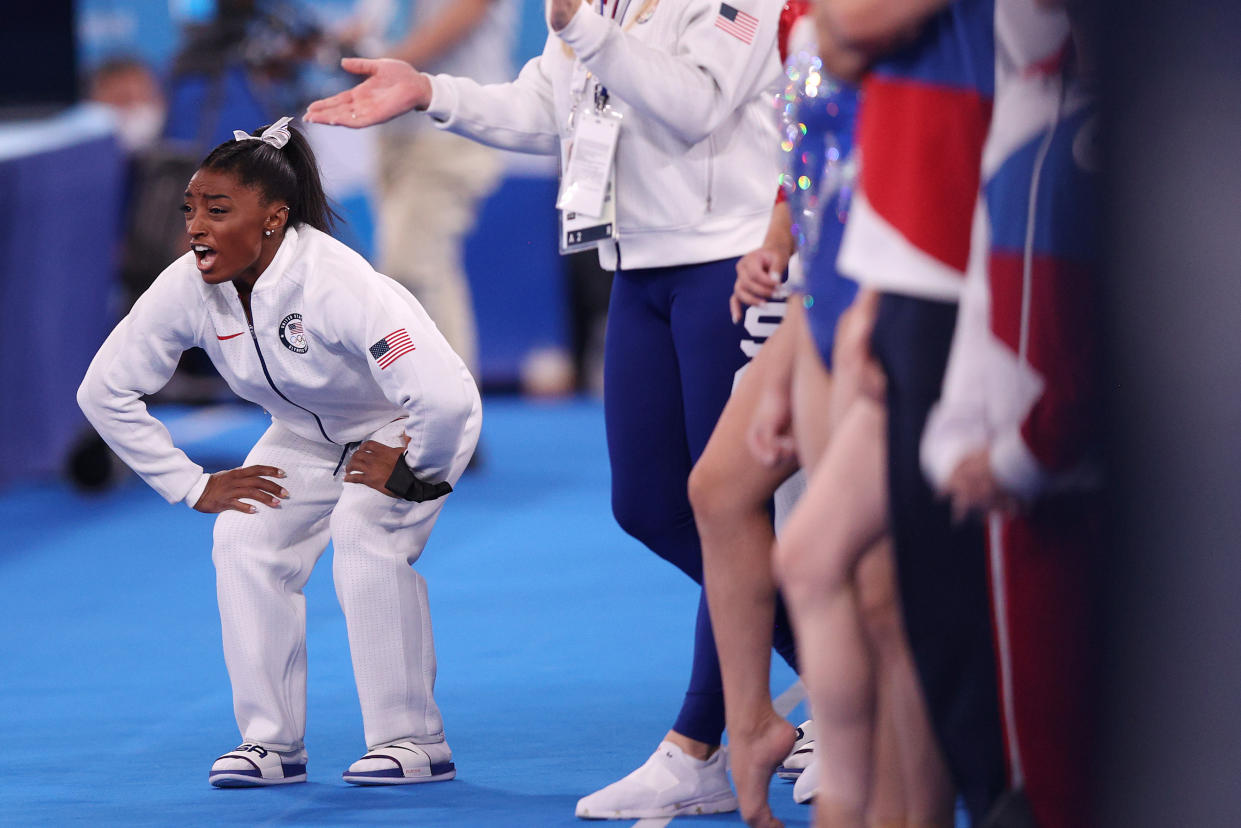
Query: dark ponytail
x=289, y=174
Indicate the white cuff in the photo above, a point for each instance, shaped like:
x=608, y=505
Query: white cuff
x=942, y=455
x=586, y=32
x=196, y=491
x=443, y=100
x=1017, y=470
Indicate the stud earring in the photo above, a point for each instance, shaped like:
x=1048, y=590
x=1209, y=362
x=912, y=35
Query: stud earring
x=267, y=233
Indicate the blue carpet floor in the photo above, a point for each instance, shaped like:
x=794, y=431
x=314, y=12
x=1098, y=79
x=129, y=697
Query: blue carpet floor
x=563, y=647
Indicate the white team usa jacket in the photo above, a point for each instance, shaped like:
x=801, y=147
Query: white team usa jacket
x=336, y=352
x=698, y=156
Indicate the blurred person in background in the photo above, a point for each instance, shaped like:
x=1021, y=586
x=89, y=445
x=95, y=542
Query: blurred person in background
x=242, y=61
x=212, y=86
x=1016, y=435
x=431, y=182
x=153, y=232
x=588, y=286
x=129, y=87
x=694, y=170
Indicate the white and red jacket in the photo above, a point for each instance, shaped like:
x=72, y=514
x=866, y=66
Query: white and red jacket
x=697, y=159
x=335, y=352
x=925, y=113
x=1021, y=376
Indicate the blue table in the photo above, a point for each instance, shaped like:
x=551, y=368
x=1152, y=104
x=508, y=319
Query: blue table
x=61, y=181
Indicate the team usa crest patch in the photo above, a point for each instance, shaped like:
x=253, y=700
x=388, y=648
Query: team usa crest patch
x=391, y=348
x=293, y=334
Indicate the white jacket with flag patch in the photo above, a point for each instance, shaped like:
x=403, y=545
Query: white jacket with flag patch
x=335, y=352
x=698, y=156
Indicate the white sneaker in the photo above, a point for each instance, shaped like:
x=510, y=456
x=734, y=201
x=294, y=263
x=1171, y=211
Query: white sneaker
x=807, y=784
x=802, y=753
x=252, y=766
x=668, y=784
x=403, y=763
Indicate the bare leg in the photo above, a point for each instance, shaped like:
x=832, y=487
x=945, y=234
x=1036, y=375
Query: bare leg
x=876, y=752
x=886, y=808
x=912, y=786
x=729, y=491
x=841, y=515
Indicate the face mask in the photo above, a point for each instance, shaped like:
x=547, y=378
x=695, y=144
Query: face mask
x=139, y=126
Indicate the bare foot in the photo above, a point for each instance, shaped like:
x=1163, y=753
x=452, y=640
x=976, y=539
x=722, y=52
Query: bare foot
x=755, y=751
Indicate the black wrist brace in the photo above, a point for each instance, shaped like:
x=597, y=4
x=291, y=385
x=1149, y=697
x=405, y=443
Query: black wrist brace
x=405, y=485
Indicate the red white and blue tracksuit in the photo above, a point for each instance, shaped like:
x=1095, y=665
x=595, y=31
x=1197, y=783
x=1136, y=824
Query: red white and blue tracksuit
x=1022, y=382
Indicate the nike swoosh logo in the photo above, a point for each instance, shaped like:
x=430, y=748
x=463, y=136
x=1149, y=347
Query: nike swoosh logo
x=230, y=336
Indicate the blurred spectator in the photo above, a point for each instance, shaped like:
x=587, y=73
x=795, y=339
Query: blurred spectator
x=589, y=286
x=153, y=232
x=131, y=90
x=430, y=181
x=240, y=65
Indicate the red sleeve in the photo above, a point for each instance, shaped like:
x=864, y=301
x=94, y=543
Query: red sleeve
x=789, y=15
x=1063, y=348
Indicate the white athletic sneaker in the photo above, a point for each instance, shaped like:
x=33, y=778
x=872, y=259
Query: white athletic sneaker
x=403, y=763
x=807, y=784
x=252, y=766
x=668, y=784
x=802, y=753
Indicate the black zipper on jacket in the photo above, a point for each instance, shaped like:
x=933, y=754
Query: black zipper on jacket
x=272, y=383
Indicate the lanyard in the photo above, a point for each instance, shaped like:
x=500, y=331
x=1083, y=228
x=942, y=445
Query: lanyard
x=616, y=8
x=618, y=11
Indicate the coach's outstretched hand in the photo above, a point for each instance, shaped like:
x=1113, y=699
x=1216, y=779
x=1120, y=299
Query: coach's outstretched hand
x=392, y=88
x=226, y=489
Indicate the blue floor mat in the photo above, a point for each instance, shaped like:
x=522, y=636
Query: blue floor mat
x=563, y=646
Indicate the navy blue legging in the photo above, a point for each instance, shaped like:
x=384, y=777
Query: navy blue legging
x=941, y=566
x=669, y=360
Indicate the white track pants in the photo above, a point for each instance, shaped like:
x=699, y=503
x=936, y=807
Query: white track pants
x=263, y=561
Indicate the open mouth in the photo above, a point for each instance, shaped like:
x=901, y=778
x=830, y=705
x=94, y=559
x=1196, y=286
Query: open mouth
x=206, y=256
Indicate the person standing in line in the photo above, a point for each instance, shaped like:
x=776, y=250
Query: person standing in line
x=1016, y=436
x=927, y=72
x=373, y=420
x=881, y=750
x=694, y=167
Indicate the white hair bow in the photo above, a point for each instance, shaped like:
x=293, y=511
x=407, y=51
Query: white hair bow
x=277, y=134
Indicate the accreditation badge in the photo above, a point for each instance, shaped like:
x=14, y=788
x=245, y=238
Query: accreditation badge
x=592, y=154
x=579, y=231
x=586, y=200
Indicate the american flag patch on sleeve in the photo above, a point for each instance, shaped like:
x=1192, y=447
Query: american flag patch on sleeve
x=736, y=23
x=391, y=348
